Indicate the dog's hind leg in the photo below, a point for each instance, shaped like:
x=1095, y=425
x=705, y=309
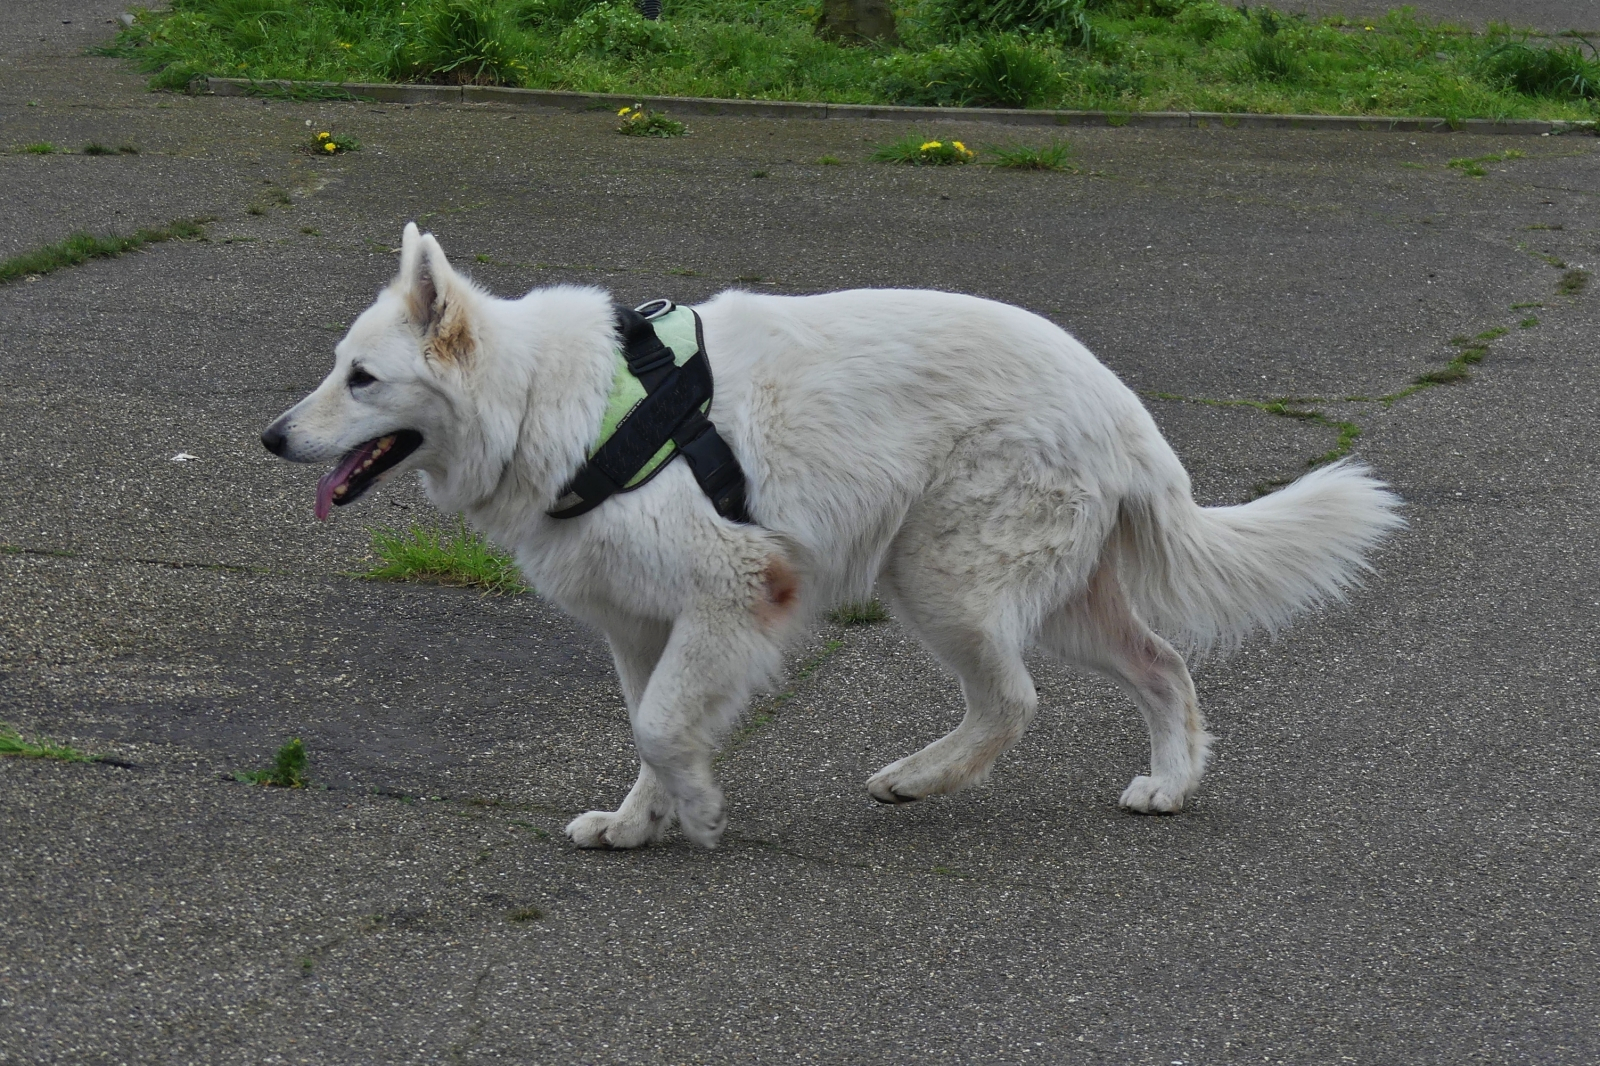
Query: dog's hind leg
x=647, y=812
x=959, y=624
x=1100, y=630
x=1000, y=703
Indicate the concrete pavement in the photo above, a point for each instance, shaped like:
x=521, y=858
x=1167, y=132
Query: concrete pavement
x=1392, y=860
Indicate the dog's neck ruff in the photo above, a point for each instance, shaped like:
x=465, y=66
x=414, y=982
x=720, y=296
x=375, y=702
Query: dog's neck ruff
x=661, y=389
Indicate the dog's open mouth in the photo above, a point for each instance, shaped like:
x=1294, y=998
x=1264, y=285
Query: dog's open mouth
x=363, y=467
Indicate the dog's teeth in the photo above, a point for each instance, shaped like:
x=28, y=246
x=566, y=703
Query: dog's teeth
x=341, y=490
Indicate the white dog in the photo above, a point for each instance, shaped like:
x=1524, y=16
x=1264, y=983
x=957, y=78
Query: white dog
x=1000, y=488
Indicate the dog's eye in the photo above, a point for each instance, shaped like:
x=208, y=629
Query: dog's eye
x=359, y=377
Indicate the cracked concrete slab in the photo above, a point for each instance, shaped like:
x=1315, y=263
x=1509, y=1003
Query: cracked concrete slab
x=1389, y=862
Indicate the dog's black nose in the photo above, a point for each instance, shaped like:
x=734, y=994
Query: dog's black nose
x=274, y=439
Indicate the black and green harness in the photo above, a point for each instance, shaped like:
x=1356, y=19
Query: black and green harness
x=660, y=392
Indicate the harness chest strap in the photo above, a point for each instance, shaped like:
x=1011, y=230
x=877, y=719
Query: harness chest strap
x=660, y=393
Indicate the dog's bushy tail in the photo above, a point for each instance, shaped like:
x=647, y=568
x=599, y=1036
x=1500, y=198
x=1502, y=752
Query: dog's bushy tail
x=1207, y=577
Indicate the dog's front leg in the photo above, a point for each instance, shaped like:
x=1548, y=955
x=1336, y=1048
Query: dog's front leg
x=646, y=813
x=715, y=656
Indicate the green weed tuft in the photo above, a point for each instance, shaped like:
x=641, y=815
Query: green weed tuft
x=829, y=161
x=858, y=614
x=460, y=42
x=1572, y=282
x=640, y=121
x=82, y=247
x=96, y=148
x=1529, y=322
x=1474, y=166
x=1449, y=374
x=326, y=143
x=1054, y=156
x=1006, y=72
x=289, y=769
x=525, y=914
x=40, y=148
x=1561, y=72
x=13, y=745
x=914, y=150
x=458, y=557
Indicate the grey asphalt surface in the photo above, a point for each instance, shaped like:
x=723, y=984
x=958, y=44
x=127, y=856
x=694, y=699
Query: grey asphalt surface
x=1393, y=859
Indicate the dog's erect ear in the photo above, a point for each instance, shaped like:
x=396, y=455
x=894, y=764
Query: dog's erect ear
x=435, y=297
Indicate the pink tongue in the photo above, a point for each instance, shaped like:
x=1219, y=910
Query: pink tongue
x=336, y=477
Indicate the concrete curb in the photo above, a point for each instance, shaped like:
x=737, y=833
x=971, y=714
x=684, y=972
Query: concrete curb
x=689, y=105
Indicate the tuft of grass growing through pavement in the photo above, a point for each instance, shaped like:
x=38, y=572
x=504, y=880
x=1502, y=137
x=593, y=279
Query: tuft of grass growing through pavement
x=1572, y=282
x=96, y=148
x=40, y=148
x=13, y=744
x=1056, y=156
x=640, y=121
x=1475, y=166
x=858, y=614
x=82, y=247
x=458, y=557
x=525, y=914
x=289, y=769
x=326, y=143
x=915, y=150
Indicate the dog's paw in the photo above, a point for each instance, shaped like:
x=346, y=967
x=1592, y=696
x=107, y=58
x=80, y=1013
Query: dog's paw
x=899, y=782
x=703, y=820
x=612, y=829
x=1146, y=795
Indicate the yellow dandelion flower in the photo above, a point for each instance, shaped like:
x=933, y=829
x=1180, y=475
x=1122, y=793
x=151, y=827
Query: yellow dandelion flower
x=928, y=146
x=959, y=146
x=330, y=146
x=324, y=135
x=625, y=110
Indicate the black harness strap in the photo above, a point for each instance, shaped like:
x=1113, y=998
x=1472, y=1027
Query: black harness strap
x=670, y=411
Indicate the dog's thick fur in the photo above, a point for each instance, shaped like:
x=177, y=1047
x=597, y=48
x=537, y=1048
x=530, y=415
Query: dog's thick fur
x=999, y=487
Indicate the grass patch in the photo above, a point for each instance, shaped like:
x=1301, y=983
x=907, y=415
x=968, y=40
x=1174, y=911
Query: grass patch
x=640, y=121
x=1476, y=166
x=859, y=614
x=82, y=247
x=326, y=143
x=915, y=150
x=1529, y=322
x=96, y=148
x=1117, y=55
x=1449, y=374
x=1056, y=156
x=1572, y=283
x=40, y=148
x=290, y=769
x=13, y=745
x=525, y=914
x=829, y=161
x=457, y=557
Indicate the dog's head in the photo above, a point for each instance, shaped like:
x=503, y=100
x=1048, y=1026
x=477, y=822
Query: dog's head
x=397, y=376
